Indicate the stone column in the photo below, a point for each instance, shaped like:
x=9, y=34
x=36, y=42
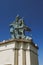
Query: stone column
x=16, y=57
x=20, y=57
x=24, y=57
x=28, y=57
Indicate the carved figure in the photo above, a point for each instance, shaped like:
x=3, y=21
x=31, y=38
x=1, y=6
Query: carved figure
x=18, y=28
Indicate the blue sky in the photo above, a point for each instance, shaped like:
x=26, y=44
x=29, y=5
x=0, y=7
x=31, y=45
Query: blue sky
x=32, y=11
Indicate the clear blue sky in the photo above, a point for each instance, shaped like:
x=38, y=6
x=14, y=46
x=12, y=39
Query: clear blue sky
x=32, y=11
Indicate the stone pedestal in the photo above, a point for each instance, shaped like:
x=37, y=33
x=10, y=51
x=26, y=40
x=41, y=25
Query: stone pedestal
x=18, y=52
